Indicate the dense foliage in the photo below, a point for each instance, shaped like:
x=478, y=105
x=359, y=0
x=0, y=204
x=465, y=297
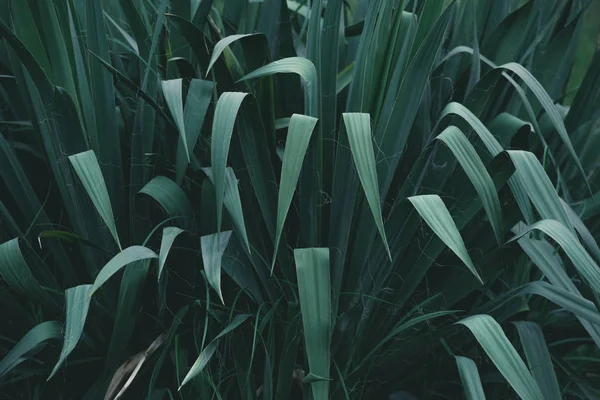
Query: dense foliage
x=357, y=199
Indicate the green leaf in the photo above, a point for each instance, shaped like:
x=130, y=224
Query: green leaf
x=77, y=305
x=222, y=45
x=127, y=256
x=582, y=261
x=213, y=246
x=198, y=100
x=232, y=202
x=294, y=65
x=433, y=210
x=539, y=187
x=172, y=90
x=468, y=158
x=226, y=113
x=28, y=344
x=171, y=198
x=300, y=131
x=490, y=336
x=169, y=235
x=210, y=349
x=358, y=126
x=16, y=273
x=539, y=359
x=70, y=238
x=312, y=268
x=88, y=170
x=469, y=375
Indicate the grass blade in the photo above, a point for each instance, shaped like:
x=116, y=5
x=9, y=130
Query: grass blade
x=233, y=204
x=210, y=349
x=28, y=343
x=88, y=170
x=226, y=113
x=490, y=336
x=300, y=131
x=538, y=358
x=213, y=246
x=77, y=304
x=469, y=375
x=16, y=273
x=170, y=197
x=433, y=210
x=127, y=256
x=169, y=235
x=468, y=158
x=172, y=91
x=312, y=268
x=358, y=126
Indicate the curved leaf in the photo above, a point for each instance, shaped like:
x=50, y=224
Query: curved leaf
x=299, y=133
x=87, y=168
x=358, y=127
x=77, y=304
x=169, y=235
x=127, y=256
x=171, y=198
x=433, y=210
x=490, y=336
x=468, y=158
x=173, y=93
x=469, y=375
x=213, y=246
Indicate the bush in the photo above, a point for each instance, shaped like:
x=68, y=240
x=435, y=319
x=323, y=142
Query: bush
x=354, y=200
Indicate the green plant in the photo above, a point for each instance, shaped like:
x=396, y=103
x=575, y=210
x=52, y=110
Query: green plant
x=352, y=203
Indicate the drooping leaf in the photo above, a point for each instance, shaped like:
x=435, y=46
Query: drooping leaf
x=127, y=256
x=210, y=349
x=172, y=90
x=29, y=343
x=171, y=198
x=312, y=268
x=469, y=375
x=538, y=358
x=496, y=345
x=233, y=204
x=16, y=273
x=88, y=170
x=213, y=246
x=468, y=158
x=358, y=126
x=77, y=305
x=224, y=120
x=169, y=235
x=433, y=210
x=299, y=133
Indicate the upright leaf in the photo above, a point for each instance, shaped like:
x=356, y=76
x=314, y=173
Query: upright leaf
x=213, y=246
x=469, y=375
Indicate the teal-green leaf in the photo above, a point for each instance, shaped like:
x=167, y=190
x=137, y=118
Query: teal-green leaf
x=233, y=203
x=210, y=349
x=491, y=337
x=582, y=261
x=469, y=375
x=539, y=187
x=169, y=235
x=294, y=65
x=226, y=113
x=539, y=359
x=300, y=131
x=127, y=256
x=15, y=272
x=172, y=91
x=222, y=45
x=88, y=170
x=312, y=269
x=468, y=158
x=433, y=210
x=197, y=101
x=28, y=343
x=77, y=305
x=358, y=127
x=171, y=198
x=213, y=246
